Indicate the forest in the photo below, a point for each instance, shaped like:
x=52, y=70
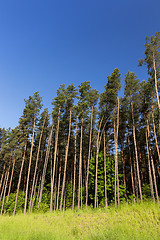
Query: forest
x=94, y=149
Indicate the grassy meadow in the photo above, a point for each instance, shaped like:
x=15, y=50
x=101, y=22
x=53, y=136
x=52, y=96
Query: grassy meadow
x=131, y=221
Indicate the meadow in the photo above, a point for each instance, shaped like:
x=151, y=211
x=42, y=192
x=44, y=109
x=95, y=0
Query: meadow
x=131, y=221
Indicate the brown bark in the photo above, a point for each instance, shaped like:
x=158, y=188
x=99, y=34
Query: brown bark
x=29, y=167
x=149, y=170
x=45, y=165
x=36, y=165
x=19, y=181
x=136, y=153
x=116, y=128
x=75, y=160
x=132, y=177
x=3, y=186
x=4, y=166
x=97, y=152
x=65, y=164
x=89, y=156
x=152, y=164
x=59, y=181
x=156, y=88
x=11, y=178
x=124, y=174
x=105, y=180
x=80, y=165
x=4, y=194
x=54, y=163
x=155, y=137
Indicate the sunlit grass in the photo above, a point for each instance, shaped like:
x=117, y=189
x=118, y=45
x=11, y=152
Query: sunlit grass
x=139, y=221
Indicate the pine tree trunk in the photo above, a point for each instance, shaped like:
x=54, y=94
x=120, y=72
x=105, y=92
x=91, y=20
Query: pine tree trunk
x=59, y=181
x=9, y=189
x=89, y=156
x=29, y=168
x=124, y=174
x=156, y=88
x=54, y=163
x=36, y=165
x=105, y=180
x=3, y=186
x=140, y=164
x=75, y=160
x=55, y=192
x=65, y=164
x=149, y=169
x=97, y=152
x=4, y=166
x=4, y=194
x=19, y=180
x=136, y=181
x=81, y=191
x=136, y=153
x=80, y=165
x=152, y=164
x=45, y=166
x=34, y=193
x=39, y=188
x=155, y=137
x=115, y=166
x=116, y=128
x=117, y=151
x=132, y=177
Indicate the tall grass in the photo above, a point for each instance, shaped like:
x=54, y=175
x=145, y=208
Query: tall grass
x=136, y=221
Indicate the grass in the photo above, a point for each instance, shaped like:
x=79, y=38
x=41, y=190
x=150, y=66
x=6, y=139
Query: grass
x=136, y=221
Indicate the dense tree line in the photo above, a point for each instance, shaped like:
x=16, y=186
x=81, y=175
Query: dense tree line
x=92, y=150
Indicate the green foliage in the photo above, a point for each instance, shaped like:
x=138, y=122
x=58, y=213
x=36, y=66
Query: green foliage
x=11, y=203
x=110, y=180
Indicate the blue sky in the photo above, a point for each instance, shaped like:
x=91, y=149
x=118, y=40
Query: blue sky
x=47, y=43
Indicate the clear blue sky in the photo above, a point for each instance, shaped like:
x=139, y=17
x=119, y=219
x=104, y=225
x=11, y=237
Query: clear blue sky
x=47, y=43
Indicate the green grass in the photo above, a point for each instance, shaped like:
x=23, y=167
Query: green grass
x=139, y=221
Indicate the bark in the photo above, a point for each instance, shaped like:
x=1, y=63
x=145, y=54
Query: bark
x=155, y=137
x=45, y=166
x=39, y=188
x=29, y=168
x=115, y=181
x=149, y=170
x=55, y=192
x=124, y=174
x=117, y=151
x=136, y=153
x=132, y=177
x=54, y=164
x=19, y=180
x=75, y=160
x=34, y=193
x=89, y=156
x=59, y=181
x=97, y=152
x=105, y=181
x=11, y=179
x=156, y=88
x=36, y=165
x=80, y=165
x=4, y=194
x=3, y=186
x=140, y=164
x=152, y=164
x=65, y=164
x=4, y=166
x=116, y=128
x=136, y=181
